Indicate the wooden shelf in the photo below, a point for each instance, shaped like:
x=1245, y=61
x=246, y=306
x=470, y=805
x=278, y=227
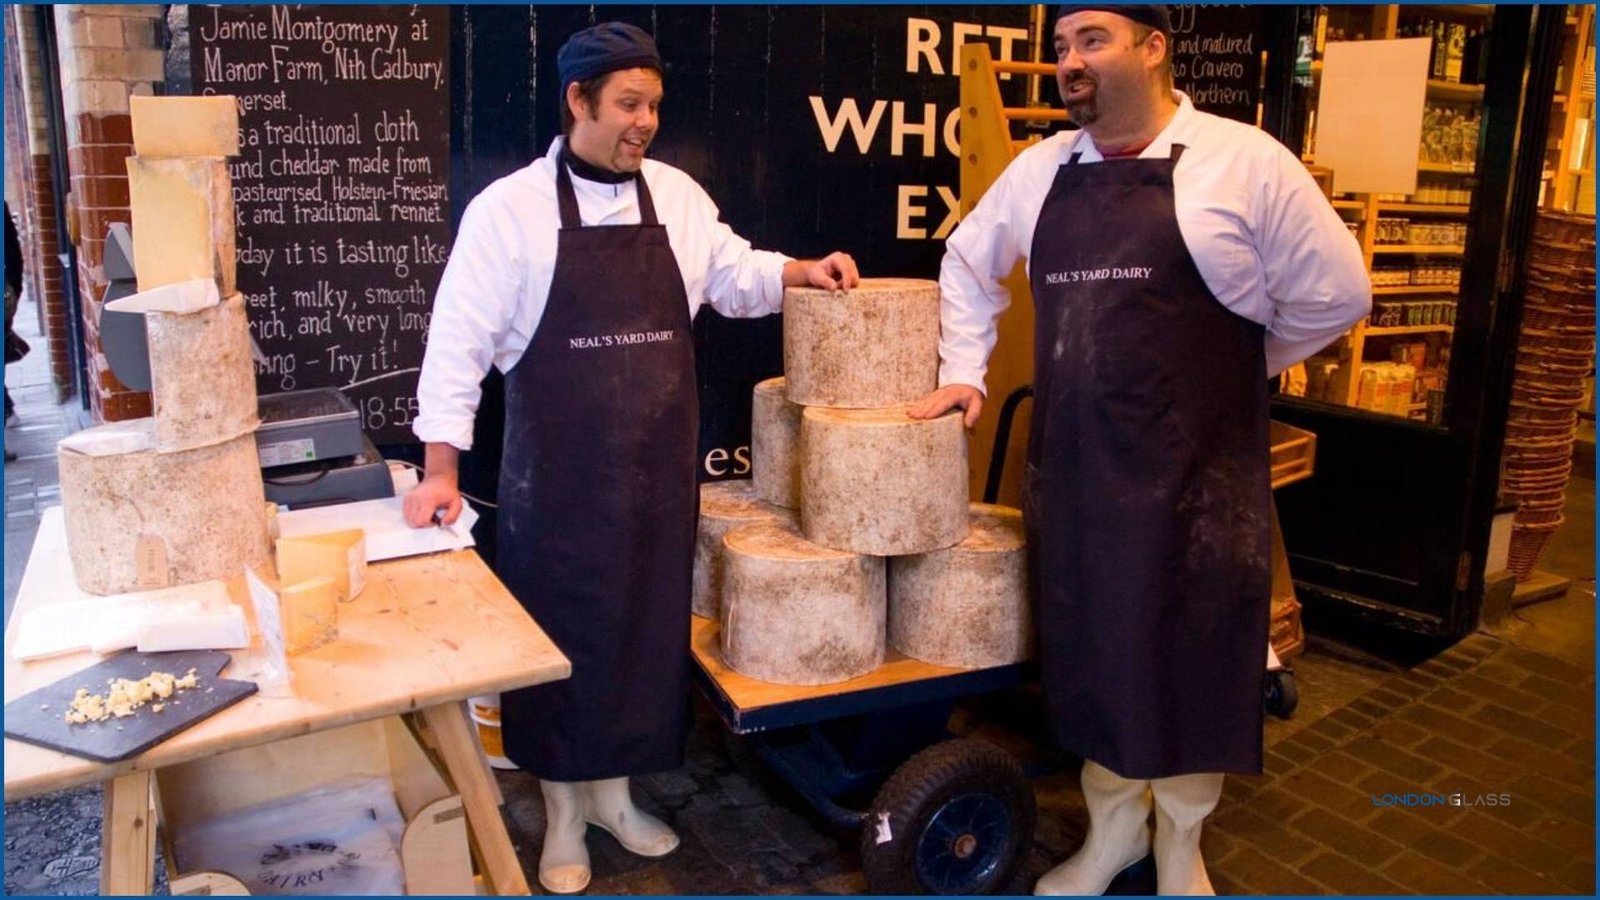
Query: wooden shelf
x=1401, y=290
x=1348, y=204
x=1454, y=90
x=1443, y=209
x=1420, y=249
x=1408, y=329
x=1444, y=168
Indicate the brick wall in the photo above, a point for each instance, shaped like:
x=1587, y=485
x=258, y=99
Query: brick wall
x=108, y=53
x=28, y=138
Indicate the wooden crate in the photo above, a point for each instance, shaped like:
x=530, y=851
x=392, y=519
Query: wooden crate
x=433, y=851
x=1294, y=454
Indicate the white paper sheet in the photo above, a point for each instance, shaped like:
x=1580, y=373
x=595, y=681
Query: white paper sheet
x=388, y=535
x=1369, y=114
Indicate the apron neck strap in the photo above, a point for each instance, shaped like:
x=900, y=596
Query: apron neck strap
x=567, y=200
x=1177, y=151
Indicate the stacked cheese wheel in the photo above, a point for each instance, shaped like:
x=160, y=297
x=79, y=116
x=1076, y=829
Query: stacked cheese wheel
x=881, y=547
x=176, y=498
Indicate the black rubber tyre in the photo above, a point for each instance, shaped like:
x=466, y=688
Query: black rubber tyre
x=956, y=818
x=1282, y=696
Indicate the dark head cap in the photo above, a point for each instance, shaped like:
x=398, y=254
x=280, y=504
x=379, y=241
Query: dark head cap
x=606, y=47
x=1155, y=17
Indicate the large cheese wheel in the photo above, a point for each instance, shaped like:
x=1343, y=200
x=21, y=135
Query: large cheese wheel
x=796, y=613
x=875, y=346
x=202, y=383
x=965, y=606
x=724, y=505
x=877, y=481
x=775, y=444
x=137, y=519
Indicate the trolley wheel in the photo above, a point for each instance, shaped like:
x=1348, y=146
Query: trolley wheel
x=956, y=818
x=1281, y=694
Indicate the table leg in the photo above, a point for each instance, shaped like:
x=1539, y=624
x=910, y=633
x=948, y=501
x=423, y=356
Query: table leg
x=128, y=836
x=475, y=782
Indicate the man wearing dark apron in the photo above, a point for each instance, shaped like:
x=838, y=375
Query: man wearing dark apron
x=1156, y=270
x=597, y=498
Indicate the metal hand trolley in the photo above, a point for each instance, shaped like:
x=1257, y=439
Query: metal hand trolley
x=947, y=815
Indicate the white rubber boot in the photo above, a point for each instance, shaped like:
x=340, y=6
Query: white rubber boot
x=1182, y=804
x=564, y=862
x=609, y=805
x=1118, y=836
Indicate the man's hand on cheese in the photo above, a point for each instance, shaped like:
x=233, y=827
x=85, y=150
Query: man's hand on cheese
x=951, y=396
x=834, y=272
x=438, y=491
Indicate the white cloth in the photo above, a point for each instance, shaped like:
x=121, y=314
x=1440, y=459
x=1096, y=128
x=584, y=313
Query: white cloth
x=495, y=285
x=1264, y=238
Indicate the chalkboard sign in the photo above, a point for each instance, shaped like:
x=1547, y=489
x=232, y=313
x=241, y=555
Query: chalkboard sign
x=341, y=190
x=1216, y=57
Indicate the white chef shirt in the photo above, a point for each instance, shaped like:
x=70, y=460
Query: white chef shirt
x=497, y=281
x=1265, y=239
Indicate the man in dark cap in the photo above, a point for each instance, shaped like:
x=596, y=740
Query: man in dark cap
x=1176, y=260
x=578, y=276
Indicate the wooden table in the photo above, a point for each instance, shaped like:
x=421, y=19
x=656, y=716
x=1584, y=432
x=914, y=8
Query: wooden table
x=426, y=633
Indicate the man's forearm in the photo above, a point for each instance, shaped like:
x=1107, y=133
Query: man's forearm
x=442, y=460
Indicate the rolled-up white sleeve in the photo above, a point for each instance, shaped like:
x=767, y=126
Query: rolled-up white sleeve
x=741, y=282
x=477, y=298
x=1316, y=278
x=983, y=249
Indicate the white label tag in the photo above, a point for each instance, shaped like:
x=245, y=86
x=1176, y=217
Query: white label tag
x=885, y=834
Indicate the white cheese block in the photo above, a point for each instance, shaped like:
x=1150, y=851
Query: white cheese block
x=182, y=221
x=877, y=481
x=796, y=613
x=202, y=382
x=179, y=297
x=185, y=126
x=875, y=346
x=221, y=628
x=142, y=520
x=775, y=444
x=337, y=555
x=724, y=505
x=309, y=612
x=966, y=606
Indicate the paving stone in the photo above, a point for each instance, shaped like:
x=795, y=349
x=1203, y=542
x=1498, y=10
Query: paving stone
x=1548, y=666
x=1313, y=741
x=1399, y=733
x=1350, y=718
x=1578, y=876
x=1343, y=876
x=1482, y=830
x=1352, y=840
x=1268, y=834
x=1502, y=671
x=1404, y=830
x=1561, y=766
x=1390, y=758
x=1446, y=848
x=1342, y=767
x=1508, y=877
x=1437, y=721
x=1482, y=766
x=1575, y=838
x=1452, y=700
x=1334, y=730
x=1388, y=699
x=1568, y=695
x=1509, y=697
x=1516, y=724
x=1576, y=804
x=1278, y=804
x=1286, y=756
x=1348, y=801
x=1265, y=875
x=1370, y=708
x=1425, y=876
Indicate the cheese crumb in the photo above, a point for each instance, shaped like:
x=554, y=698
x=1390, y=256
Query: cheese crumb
x=126, y=696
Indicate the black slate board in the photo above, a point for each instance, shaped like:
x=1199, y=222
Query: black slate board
x=116, y=739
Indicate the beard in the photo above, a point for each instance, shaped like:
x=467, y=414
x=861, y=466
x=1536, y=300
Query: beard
x=1085, y=110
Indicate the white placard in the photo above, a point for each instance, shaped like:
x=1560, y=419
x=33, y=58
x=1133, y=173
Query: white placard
x=1369, y=115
